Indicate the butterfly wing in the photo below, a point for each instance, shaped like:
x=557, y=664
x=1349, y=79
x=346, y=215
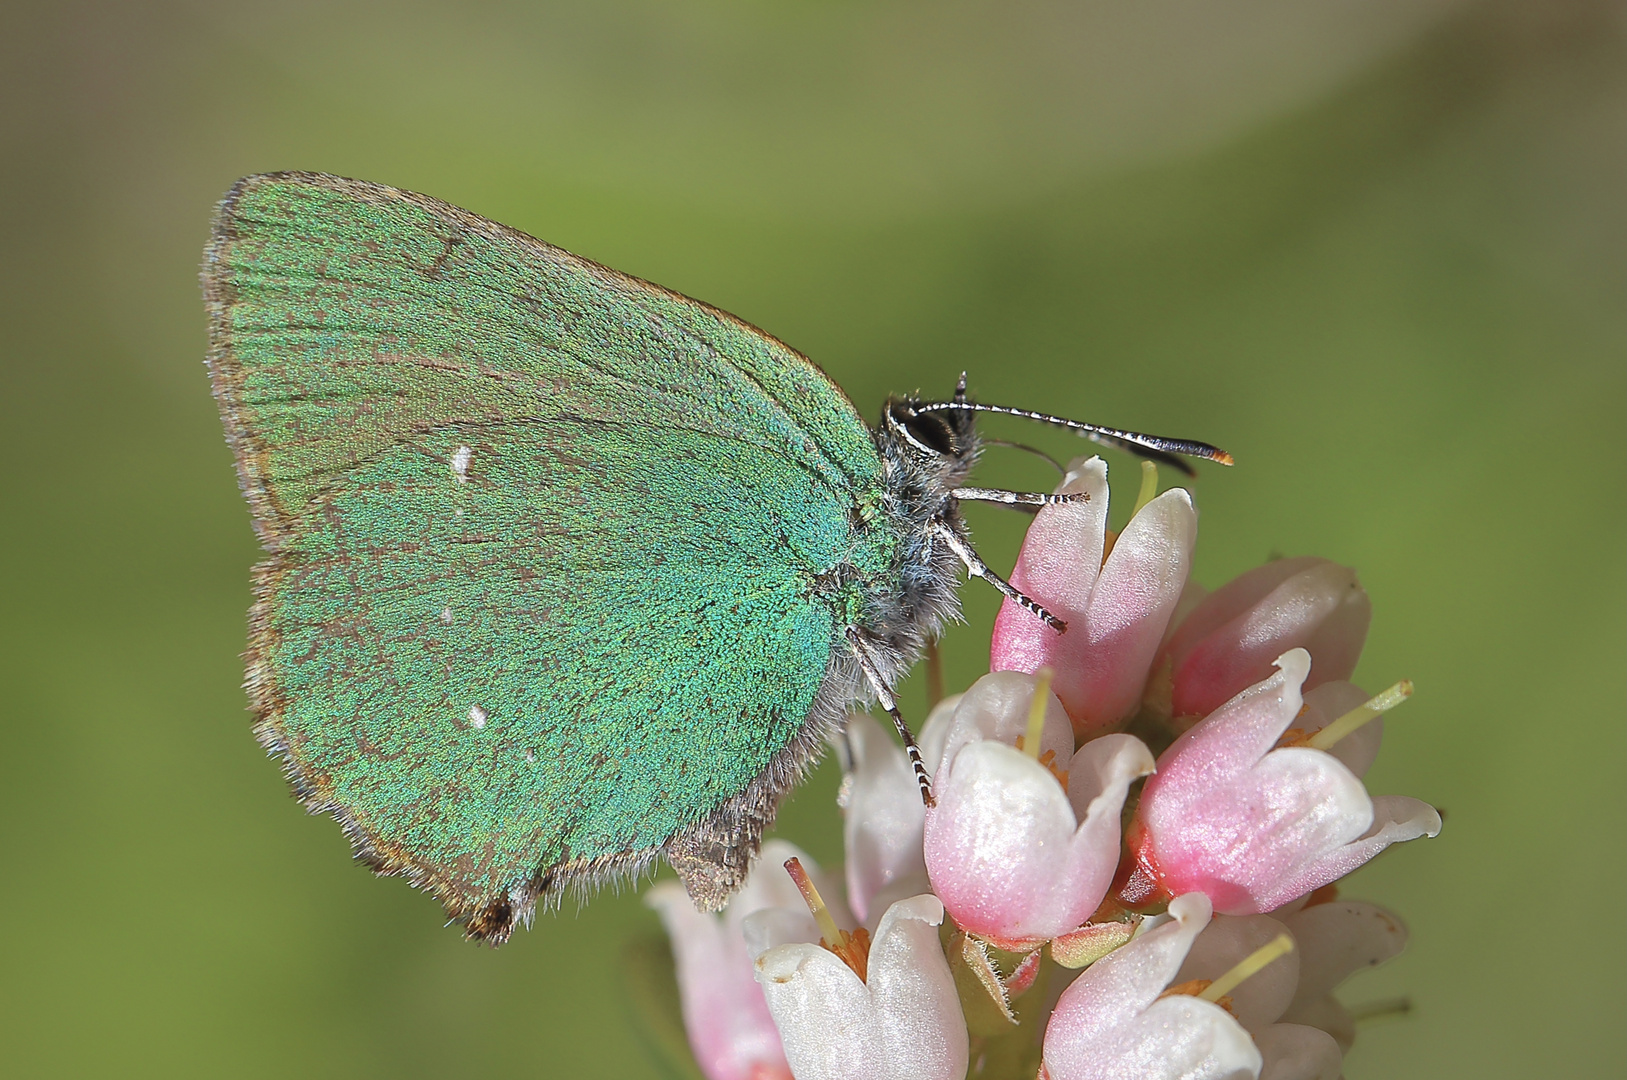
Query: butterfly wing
x=553, y=585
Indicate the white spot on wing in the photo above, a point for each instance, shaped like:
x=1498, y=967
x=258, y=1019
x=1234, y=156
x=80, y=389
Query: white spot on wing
x=446, y=616
x=460, y=463
x=477, y=717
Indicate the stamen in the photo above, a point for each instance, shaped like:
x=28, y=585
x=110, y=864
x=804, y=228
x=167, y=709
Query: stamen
x=1281, y=945
x=1036, y=712
x=1383, y=1009
x=1369, y=710
x=1149, y=486
x=852, y=949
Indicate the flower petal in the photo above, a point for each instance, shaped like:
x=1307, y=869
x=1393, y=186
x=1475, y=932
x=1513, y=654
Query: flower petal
x=1060, y=560
x=1396, y=818
x=997, y=847
x=726, y=1018
x=1120, y=986
x=1229, y=741
x=935, y=732
x=905, y=1022
x=996, y=707
x=1295, y=1052
x=883, y=818
x=1230, y=640
x=1339, y=938
x=1110, y=1021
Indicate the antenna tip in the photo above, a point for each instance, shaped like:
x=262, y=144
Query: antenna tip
x=1224, y=458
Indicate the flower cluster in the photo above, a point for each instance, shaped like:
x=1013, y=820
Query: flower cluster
x=1129, y=869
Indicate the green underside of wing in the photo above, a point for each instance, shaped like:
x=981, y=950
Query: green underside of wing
x=612, y=621
x=591, y=656
x=356, y=320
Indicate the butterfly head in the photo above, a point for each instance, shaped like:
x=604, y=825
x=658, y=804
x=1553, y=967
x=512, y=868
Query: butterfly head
x=931, y=442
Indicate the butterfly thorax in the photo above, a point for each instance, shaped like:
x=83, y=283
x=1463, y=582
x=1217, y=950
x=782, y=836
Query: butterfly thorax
x=924, y=457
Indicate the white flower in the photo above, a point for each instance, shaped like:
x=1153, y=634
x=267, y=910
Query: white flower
x=882, y=819
x=1113, y=1021
x=901, y=1019
x=1017, y=857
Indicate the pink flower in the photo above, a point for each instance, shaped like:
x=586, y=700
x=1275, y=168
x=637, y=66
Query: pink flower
x=1232, y=637
x=1116, y=608
x=900, y=1019
x=725, y=1015
x=1016, y=857
x=1253, y=826
x=1288, y=1051
x=1113, y=1021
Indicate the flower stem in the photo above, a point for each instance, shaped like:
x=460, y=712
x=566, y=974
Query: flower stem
x=934, y=673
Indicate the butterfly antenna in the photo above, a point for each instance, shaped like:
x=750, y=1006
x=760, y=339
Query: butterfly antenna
x=1155, y=447
x=1025, y=448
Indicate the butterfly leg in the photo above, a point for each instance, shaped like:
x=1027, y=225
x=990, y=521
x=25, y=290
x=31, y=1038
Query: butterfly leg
x=884, y=695
x=976, y=567
x=1030, y=501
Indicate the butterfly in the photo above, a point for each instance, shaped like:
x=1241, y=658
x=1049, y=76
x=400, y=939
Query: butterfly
x=566, y=573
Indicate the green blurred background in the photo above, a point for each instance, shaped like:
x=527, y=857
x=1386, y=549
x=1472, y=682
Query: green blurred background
x=1373, y=248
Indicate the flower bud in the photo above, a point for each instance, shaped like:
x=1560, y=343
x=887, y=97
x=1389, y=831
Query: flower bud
x=1234, y=635
x=1116, y=609
x=1115, y=1020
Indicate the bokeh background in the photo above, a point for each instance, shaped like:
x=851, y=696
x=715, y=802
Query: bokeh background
x=1373, y=248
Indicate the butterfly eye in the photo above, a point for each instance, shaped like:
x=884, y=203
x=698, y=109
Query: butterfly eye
x=929, y=431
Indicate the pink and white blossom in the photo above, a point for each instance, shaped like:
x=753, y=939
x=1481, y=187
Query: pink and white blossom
x=1116, y=608
x=1254, y=806
x=1113, y=1020
x=1253, y=826
x=726, y=1018
x=1232, y=637
x=1016, y=857
x=1288, y=1051
x=901, y=1020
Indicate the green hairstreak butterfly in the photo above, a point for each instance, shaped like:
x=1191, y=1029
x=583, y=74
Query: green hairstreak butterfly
x=566, y=572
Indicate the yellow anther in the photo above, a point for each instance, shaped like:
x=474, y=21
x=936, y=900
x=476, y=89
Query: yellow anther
x=1281, y=945
x=1149, y=486
x=1368, y=710
x=853, y=949
x=1036, y=712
